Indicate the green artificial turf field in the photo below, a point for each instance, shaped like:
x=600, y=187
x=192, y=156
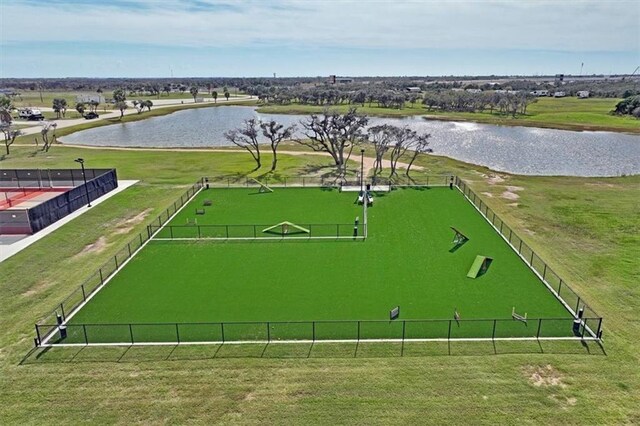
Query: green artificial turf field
x=408, y=260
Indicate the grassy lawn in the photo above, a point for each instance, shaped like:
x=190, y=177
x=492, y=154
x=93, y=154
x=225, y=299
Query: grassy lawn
x=558, y=113
x=587, y=229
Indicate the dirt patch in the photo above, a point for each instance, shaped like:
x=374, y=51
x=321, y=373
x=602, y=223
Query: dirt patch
x=127, y=225
x=508, y=195
x=39, y=287
x=495, y=179
x=544, y=376
x=488, y=194
x=97, y=247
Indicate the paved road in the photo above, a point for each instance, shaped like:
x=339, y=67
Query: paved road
x=35, y=127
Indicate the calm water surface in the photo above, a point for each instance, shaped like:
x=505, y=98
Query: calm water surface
x=520, y=150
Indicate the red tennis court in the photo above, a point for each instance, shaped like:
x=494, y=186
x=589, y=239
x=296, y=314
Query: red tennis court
x=24, y=198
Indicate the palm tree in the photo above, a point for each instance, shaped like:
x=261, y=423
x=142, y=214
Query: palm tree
x=194, y=92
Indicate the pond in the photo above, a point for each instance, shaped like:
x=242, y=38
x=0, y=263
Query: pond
x=520, y=150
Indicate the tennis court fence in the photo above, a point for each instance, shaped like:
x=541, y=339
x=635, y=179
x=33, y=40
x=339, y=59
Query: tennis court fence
x=318, y=331
x=560, y=289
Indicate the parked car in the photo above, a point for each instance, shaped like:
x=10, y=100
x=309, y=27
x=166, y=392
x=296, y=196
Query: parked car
x=91, y=115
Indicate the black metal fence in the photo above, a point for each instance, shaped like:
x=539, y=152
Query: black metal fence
x=551, y=279
x=258, y=232
x=274, y=331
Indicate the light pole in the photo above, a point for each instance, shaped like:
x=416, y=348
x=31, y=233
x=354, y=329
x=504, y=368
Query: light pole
x=361, y=169
x=84, y=176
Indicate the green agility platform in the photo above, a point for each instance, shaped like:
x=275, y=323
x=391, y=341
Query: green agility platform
x=480, y=266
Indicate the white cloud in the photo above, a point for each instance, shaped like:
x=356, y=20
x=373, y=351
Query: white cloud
x=539, y=25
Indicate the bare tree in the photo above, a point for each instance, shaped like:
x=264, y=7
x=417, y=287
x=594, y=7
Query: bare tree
x=421, y=146
x=47, y=141
x=10, y=134
x=402, y=139
x=336, y=134
x=380, y=137
x=276, y=133
x=246, y=137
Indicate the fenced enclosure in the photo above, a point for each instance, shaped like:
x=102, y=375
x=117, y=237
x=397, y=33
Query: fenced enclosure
x=319, y=331
x=56, y=328
x=75, y=191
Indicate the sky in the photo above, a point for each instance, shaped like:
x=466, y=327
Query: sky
x=252, y=38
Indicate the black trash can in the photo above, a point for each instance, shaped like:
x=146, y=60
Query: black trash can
x=63, y=332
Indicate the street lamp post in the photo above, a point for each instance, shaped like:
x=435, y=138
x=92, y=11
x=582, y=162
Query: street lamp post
x=84, y=176
x=361, y=169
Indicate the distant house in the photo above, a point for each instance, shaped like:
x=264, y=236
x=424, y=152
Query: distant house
x=583, y=94
x=413, y=89
x=559, y=94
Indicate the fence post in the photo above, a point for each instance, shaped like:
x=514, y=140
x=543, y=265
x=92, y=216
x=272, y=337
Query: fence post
x=101, y=279
x=268, y=331
x=116, y=259
x=404, y=325
x=576, y=311
x=539, y=327
x=493, y=335
x=597, y=332
x=358, y=330
x=544, y=272
x=520, y=248
x=199, y=235
x=129, y=248
x=449, y=333
x=222, y=331
x=131, y=333
x=177, y=334
x=84, y=330
x=62, y=309
x=559, y=286
x=584, y=328
x=38, y=333
x=84, y=296
x=531, y=261
x=313, y=329
x=501, y=223
x=140, y=236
